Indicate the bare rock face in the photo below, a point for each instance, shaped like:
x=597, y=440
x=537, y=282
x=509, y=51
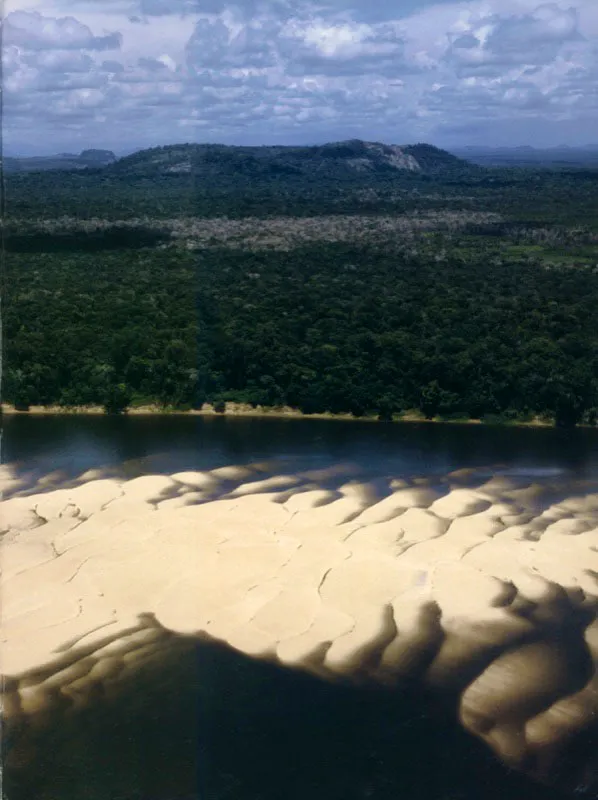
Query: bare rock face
x=482, y=593
x=394, y=156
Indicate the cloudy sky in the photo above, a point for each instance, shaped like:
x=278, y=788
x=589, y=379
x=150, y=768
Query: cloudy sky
x=127, y=74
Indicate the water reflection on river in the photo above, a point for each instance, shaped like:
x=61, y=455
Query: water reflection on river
x=38, y=444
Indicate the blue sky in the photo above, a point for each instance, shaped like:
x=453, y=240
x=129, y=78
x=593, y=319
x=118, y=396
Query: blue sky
x=128, y=74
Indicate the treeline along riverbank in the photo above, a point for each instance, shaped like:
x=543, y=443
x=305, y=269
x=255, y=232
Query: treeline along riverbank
x=449, y=324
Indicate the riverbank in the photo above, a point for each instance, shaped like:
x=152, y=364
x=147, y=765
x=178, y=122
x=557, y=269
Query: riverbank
x=207, y=410
x=247, y=410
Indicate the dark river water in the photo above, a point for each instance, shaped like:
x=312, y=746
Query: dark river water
x=219, y=726
x=163, y=444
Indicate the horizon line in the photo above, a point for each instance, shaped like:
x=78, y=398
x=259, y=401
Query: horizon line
x=448, y=148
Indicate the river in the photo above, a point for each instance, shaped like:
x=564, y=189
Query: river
x=34, y=445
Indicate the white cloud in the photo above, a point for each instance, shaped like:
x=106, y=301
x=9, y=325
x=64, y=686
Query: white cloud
x=331, y=47
x=36, y=31
x=220, y=44
x=62, y=61
x=303, y=70
x=498, y=41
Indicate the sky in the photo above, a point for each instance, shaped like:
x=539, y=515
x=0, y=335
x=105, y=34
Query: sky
x=130, y=74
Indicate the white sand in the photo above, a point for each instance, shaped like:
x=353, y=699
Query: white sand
x=474, y=590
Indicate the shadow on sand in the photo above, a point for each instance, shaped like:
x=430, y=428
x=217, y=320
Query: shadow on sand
x=204, y=722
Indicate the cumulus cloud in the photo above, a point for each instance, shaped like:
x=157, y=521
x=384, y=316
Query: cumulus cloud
x=35, y=31
x=157, y=64
x=144, y=72
x=495, y=41
x=214, y=45
x=57, y=61
x=112, y=67
x=343, y=48
x=160, y=8
x=243, y=9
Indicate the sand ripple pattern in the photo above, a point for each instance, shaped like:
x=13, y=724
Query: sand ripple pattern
x=482, y=587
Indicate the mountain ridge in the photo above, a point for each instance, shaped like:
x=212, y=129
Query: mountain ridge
x=351, y=156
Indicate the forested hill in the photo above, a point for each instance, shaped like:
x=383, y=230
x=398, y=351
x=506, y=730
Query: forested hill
x=334, y=160
x=187, y=181
x=221, y=180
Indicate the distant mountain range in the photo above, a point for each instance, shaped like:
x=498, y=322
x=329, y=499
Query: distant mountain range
x=85, y=159
x=352, y=156
x=526, y=156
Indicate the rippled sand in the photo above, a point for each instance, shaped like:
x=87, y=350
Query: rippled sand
x=479, y=589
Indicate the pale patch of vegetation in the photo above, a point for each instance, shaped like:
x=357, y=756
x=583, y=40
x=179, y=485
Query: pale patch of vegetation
x=279, y=233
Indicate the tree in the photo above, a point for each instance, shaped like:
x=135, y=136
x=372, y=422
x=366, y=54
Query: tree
x=117, y=399
x=386, y=406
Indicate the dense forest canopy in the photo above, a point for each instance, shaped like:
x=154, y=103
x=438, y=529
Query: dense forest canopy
x=351, y=277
